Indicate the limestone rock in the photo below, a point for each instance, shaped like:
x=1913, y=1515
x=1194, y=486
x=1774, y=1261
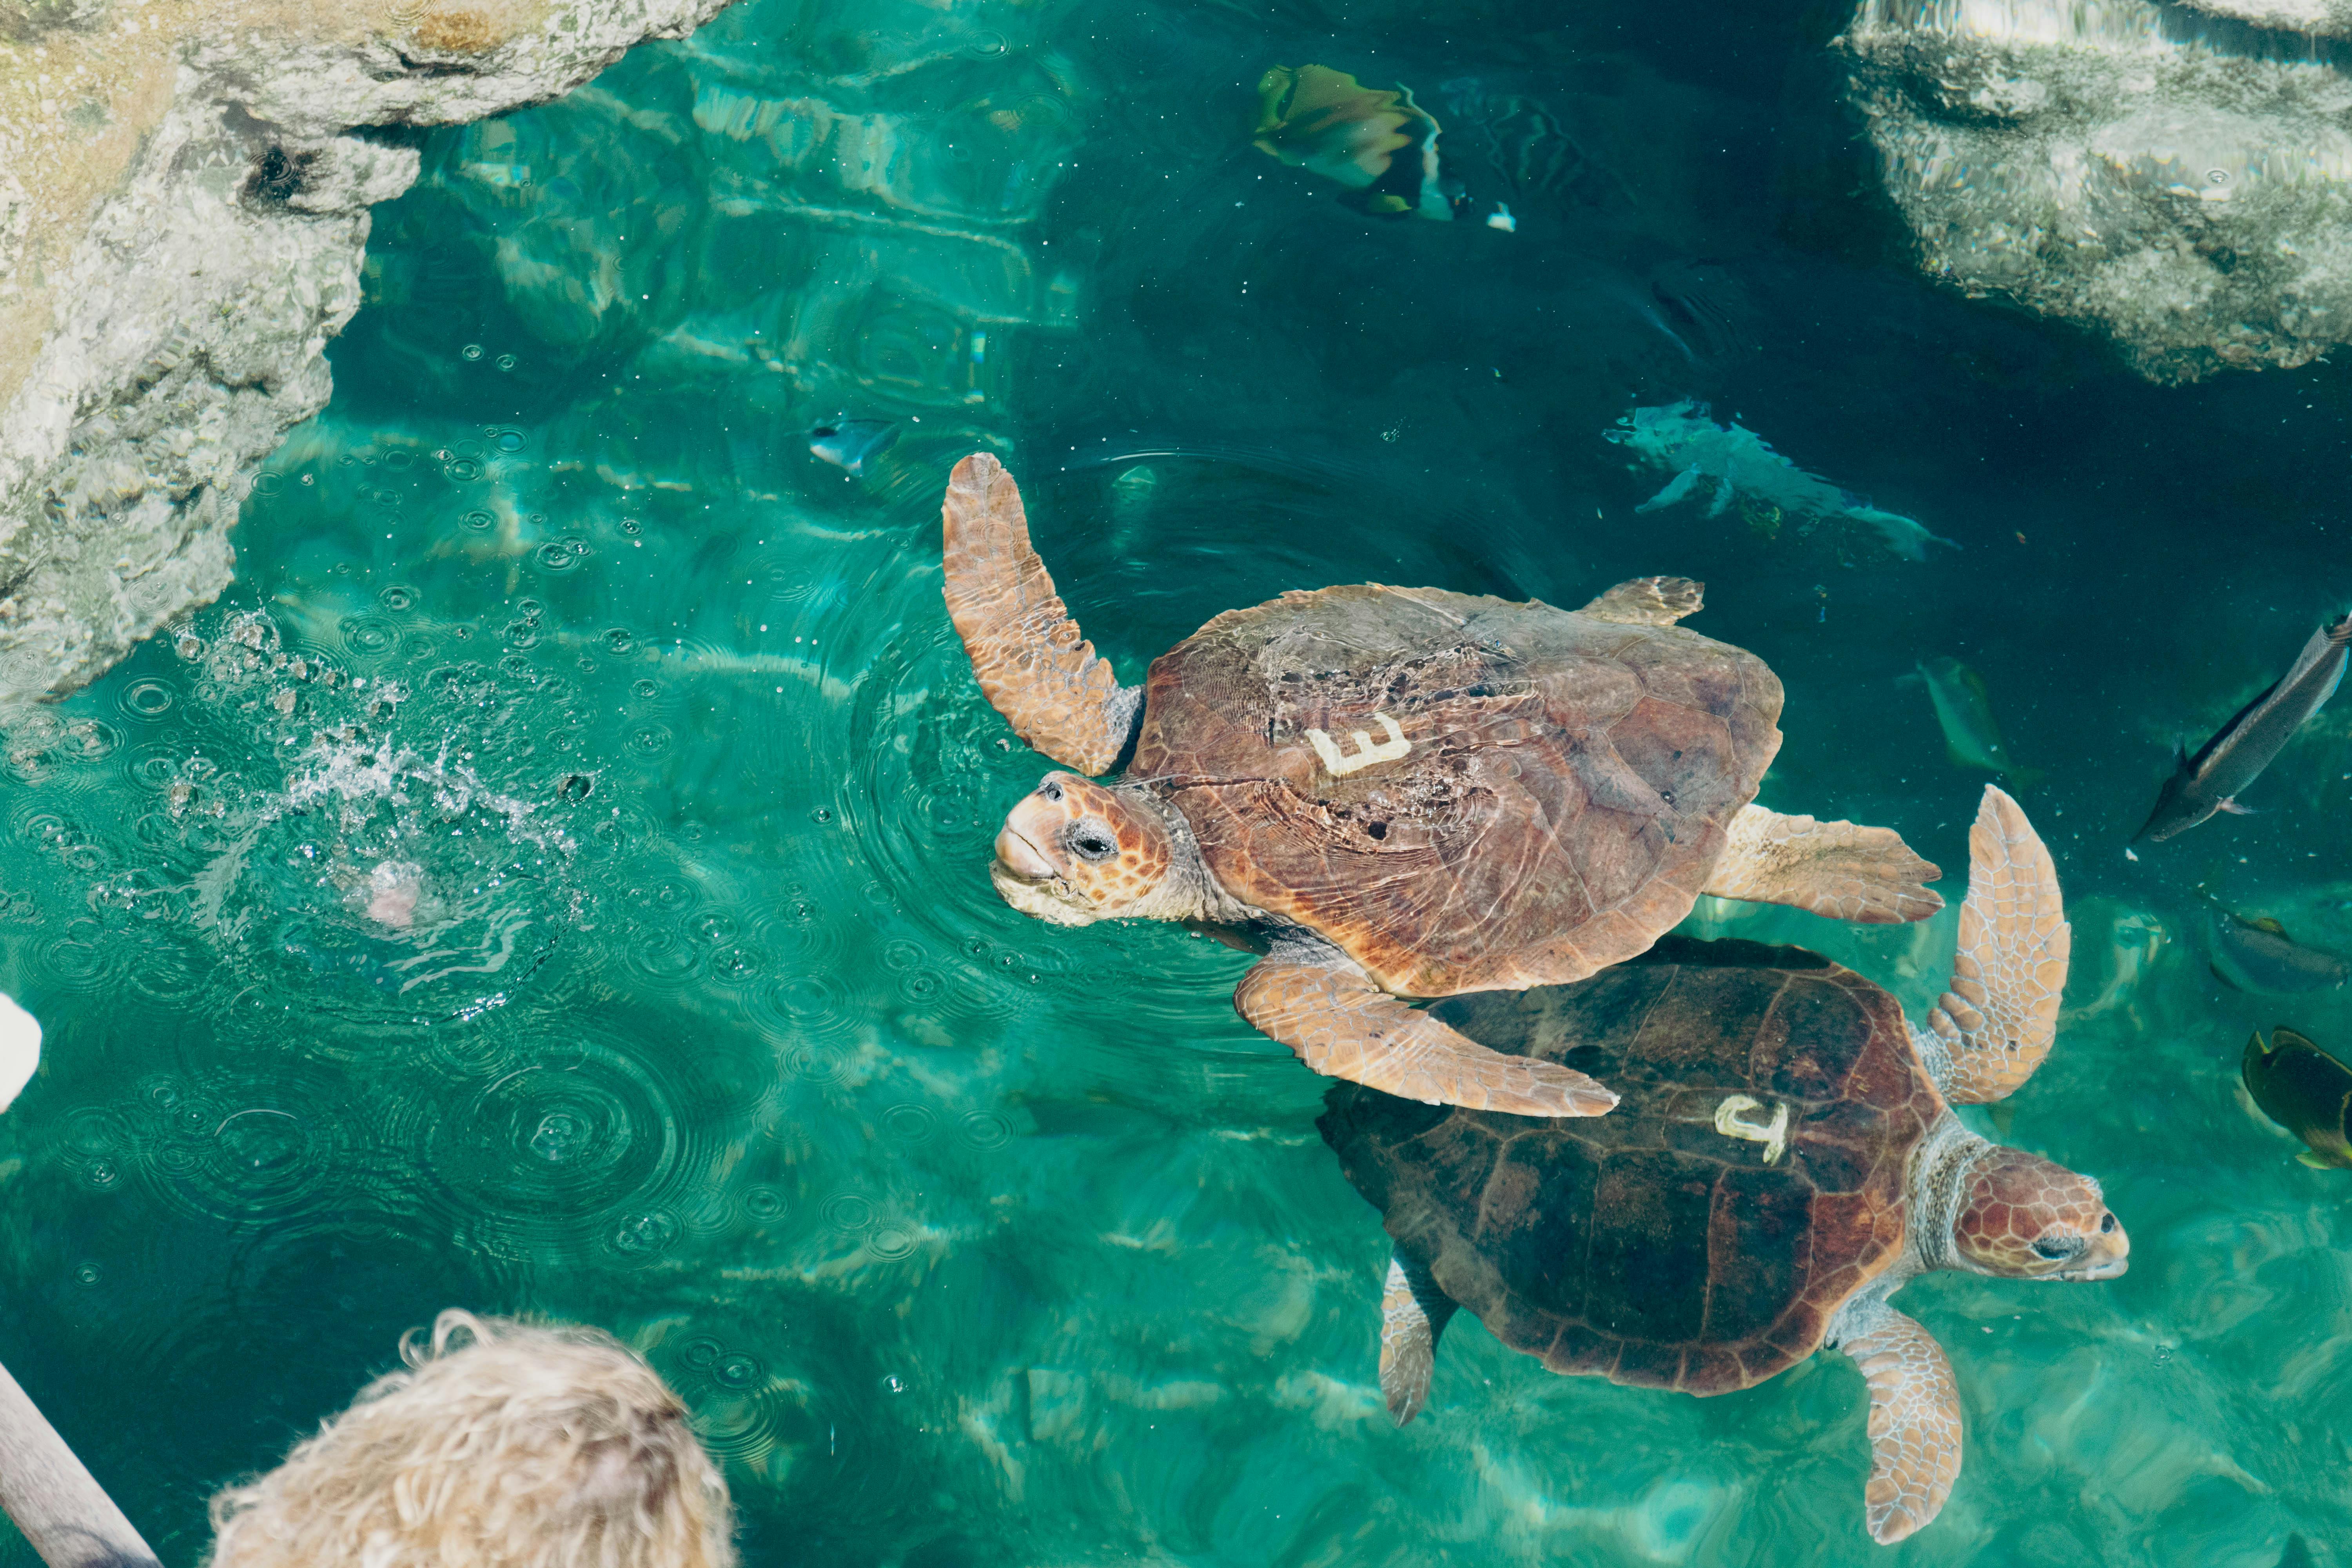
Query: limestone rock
x=2180, y=182
x=184, y=194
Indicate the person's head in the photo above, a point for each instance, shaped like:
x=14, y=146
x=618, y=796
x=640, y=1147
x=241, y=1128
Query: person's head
x=2020, y=1215
x=1074, y=852
x=503, y=1445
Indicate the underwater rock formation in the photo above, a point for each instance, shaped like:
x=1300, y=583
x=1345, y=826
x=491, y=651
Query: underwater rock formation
x=184, y=194
x=2179, y=180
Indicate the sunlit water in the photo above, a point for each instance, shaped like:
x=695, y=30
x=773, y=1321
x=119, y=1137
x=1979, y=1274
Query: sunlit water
x=554, y=877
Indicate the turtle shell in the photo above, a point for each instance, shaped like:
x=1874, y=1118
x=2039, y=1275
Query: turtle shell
x=1675, y=1242
x=1465, y=793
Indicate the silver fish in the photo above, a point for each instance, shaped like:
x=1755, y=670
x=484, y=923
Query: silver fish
x=850, y=444
x=2236, y=755
x=2258, y=956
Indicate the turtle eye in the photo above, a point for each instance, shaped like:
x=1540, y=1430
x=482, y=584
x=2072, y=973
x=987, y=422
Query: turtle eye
x=2054, y=1248
x=1052, y=790
x=2106, y=1222
x=1090, y=842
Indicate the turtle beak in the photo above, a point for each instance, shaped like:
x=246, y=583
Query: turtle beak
x=2108, y=1255
x=1022, y=858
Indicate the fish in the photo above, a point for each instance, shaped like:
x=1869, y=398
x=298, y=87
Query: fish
x=2256, y=954
x=1376, y=142
x=1737, y=463
x=850, y=444
x=2297, y=1554
x=2213, y=779
x=1964, y=710
x=2303, y=1089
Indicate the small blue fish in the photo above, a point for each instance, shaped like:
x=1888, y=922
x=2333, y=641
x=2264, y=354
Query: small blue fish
x=850, y=444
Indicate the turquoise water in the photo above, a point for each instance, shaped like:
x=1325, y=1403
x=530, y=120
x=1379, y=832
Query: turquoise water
x=974, y=1241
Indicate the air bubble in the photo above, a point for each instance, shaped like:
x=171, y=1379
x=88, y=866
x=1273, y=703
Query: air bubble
x=891, y=1243
x=478, y=520
x=506, y=361
x=470, y=352
x=397, y=597
x=465, y=471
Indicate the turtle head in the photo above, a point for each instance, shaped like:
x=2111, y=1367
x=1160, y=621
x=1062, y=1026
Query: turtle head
x=1073, y=852
x=2023, y=1216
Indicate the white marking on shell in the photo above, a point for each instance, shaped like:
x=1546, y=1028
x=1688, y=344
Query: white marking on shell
x=1773, y=1135
x=1339, y=764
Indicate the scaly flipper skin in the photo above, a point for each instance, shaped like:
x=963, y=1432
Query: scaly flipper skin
x=1997, y=1020
x=1032, y=662
x=1915, y=1421
x=1413, y=1313
x=1648, y=602
x=1834, y=869
x=1343, y=1025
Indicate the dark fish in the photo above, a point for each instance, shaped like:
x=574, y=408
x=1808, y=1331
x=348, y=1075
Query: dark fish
x=2305, y=1091
x=2297, y=1554
x=851, y=444
x=2210, y=781
x=2258, y=956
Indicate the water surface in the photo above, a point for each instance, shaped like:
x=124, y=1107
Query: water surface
x=596, y=922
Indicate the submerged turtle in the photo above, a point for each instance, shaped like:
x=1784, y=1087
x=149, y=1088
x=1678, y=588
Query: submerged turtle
x=1517, y=795
x=1785, y=1158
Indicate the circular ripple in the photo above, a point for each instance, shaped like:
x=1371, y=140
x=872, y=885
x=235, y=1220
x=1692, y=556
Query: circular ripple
x=368, y=636
x=983, y=1130
x=578, y=1144
x=763, y=1206
x=910, y=1123
x=804, y=1005
x=850, y=1211
x=816, y=1063
x=663, y=956
x=146, y=701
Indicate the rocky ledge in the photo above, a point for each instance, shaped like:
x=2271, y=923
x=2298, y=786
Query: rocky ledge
x=185, y=195
x=2179, y=181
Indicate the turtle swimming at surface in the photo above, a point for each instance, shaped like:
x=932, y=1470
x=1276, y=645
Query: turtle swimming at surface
x=1399, y=792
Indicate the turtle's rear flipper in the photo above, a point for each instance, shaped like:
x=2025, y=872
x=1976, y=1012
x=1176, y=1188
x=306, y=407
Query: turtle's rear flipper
x=1343, y=1025
x=1648, y=602
x=1035, y=667
x=1914, y=1418
x=1836, y=869
x=1413, y=1313
x=1996, y=1023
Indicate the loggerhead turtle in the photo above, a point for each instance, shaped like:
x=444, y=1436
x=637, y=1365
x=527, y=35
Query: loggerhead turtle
x=1786, y=1157
x=1516, y=796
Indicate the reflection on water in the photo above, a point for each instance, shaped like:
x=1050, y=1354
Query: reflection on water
x=554, y=878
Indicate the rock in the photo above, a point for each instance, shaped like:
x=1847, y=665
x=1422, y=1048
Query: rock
x=2182, y=183
x=184, y=194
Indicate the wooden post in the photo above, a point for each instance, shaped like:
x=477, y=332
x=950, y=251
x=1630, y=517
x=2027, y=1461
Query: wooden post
x=62, y=1511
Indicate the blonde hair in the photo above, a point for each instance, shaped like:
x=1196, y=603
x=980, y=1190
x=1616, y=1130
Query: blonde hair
x=505, y=1444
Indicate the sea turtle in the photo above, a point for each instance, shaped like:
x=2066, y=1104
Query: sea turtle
x=1785, y=1158
x=1517, y=796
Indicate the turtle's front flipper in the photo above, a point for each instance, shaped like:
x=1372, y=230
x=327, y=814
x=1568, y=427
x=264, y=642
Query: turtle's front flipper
x=1914, y=1418
x=1032, y=664
x=1996, y=1023
x=1413, y=1313
x=1834, y=869
x=1343, y=1025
